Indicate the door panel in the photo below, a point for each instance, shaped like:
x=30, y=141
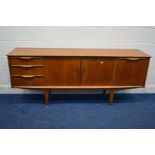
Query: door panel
x=97, y=71
x=131, y=71
x=63, y=71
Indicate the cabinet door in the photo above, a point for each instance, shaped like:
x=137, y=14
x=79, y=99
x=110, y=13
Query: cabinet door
x=131, y=71
x=63, y=71
x=97, y=71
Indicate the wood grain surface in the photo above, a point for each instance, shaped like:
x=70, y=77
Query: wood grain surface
x=77, y=52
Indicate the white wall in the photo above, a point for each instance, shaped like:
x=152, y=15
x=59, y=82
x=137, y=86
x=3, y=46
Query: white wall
x=142, y=38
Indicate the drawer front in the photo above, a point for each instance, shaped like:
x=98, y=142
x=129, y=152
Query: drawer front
x=131, y=71
x=27, y=70
x=28, y=81
x=27, y=61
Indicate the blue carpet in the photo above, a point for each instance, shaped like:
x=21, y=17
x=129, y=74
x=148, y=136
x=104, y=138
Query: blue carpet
x=77, y=111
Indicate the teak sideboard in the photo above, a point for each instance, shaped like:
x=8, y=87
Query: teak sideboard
x=72, y=68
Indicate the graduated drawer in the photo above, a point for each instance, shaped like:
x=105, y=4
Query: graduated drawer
x=27, y=61
x=23, y=80
x=27, y=69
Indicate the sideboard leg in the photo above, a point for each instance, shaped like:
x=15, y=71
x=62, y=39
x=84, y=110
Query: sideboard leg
x=46, y=93
x=112, y=91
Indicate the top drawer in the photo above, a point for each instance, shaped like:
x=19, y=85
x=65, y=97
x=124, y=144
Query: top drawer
x=27, y=61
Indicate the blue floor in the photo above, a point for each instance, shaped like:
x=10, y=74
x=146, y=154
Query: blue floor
x=77, y=111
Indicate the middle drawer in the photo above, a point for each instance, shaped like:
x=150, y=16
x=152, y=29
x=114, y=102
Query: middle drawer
x=27, y=70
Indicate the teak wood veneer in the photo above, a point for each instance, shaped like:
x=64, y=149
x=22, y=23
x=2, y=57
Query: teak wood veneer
x=72, y=68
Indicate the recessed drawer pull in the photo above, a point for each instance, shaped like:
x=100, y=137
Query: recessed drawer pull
x=29, y=58
x=27, y=66
x=132, y=59
x=28, y=76
x=26, y=58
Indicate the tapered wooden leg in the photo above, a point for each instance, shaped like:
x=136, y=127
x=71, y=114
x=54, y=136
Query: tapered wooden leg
x=46, y=92
x=111, y=96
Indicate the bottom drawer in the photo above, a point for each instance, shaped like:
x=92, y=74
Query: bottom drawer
x=28, y=81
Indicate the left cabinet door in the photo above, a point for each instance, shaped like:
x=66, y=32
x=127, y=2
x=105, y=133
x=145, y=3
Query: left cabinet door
x=63, y=71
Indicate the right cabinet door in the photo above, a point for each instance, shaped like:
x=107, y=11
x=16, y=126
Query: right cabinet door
x=131, y=71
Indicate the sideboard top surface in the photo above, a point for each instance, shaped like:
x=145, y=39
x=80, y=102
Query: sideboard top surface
x=77, y=52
